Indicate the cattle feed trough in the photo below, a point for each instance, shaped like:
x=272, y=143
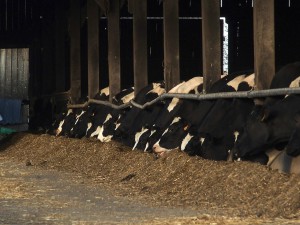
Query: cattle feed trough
x=210, y=96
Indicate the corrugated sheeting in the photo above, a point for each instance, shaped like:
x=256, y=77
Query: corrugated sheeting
x=14, y=73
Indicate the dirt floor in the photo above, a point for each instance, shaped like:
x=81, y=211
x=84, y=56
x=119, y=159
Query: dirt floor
x=222, y=192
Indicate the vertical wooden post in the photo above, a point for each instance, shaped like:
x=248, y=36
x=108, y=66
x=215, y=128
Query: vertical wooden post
x=211, y=42
x=264, y=43
x=75, y=69
x=60, y=29
x=93, y=48
x=114, y=67
x=171, y=43
x=2, y=72
x=140, y=60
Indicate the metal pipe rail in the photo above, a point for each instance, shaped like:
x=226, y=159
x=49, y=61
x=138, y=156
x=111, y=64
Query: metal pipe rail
x=209, y=96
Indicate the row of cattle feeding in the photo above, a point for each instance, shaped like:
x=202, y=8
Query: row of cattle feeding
x=218, y=129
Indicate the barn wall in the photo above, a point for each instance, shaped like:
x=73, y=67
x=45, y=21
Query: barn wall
x=14, y=73
x=34, y=24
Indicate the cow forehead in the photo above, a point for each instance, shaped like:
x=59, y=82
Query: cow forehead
x=185, y=141
x=108, y=117
x=176, y=119
x=69, y=111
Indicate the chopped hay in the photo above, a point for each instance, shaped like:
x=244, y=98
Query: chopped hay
x=241, y=189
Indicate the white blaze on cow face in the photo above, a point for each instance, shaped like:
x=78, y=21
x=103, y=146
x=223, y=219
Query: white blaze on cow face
x=116, y=123
x=147, y=146
x=175, y=120
x=105, y=91
x=103, y=138
x=230, y=152
x=236, y=81
x=173, y=104
x=202, y=139
x=78, y=116
x=108, y=117
x=88, y=127
x=96, y=132
x=236, y=135
x=138, y=135
x=185, y=141
x=59, y=129
x=69, y=112
x=152, y=132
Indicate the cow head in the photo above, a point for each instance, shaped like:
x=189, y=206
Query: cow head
x=172, y=136
x=216, y=148
x=255, y=134
x=192, y=142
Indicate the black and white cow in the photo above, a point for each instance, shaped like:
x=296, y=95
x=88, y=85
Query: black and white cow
x=201, y=117
x=272, y=124
x=124, y=128
x=64, y=125
x=269, y=127
x=149, y=135
x=105, y=117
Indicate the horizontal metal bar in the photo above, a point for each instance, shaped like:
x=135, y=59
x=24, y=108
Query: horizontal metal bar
x=209, y=96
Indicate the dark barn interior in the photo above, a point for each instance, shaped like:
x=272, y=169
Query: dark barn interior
x=37, y=34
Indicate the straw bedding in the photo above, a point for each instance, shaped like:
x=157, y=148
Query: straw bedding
x=241, y=189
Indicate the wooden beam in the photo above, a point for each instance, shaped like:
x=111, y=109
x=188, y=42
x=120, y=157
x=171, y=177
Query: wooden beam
x=114, y=67
x=75, y=69
x=2, y=72
x=211, y=42
x=60, y=32
x=140, y=60
x=264, y=43
x=171, y=43
x=93, y=48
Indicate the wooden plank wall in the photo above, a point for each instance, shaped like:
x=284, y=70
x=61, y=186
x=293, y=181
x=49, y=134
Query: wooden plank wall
x=264, y=43
x=93, y=48
x=211, y=43
x=171, y=43
x=140, y=45
x=75, y=68
x=14, y=73
x=114, y=61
